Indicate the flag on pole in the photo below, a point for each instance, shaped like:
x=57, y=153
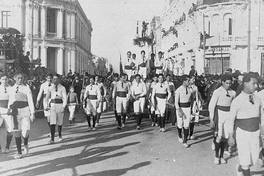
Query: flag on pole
x=120, y=66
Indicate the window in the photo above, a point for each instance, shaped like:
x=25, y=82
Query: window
x=51, y=20
x=230, y=26
x=4, y=17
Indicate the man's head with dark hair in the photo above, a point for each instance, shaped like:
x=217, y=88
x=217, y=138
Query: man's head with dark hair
x=225, y=77
x=250, y=82
x=129, y=54
x=161, y=78
x=143, y=52
x=226, y=80
x=185, y=80
x=152, y=56
x=160, y=54
x=134, y=56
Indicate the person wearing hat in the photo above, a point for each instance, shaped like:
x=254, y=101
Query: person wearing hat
x=21, y=106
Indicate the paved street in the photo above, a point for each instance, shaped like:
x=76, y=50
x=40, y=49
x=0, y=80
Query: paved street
x=109, y=152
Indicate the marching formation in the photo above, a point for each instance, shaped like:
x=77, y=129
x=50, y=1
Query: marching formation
x=235, y=115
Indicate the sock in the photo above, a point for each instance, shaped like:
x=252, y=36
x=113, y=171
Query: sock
x=179, y=132
x=153, y=117
x=119, y=120
x=186, y=134
x=8, y=140
x=94, y=120
x=59, y=130
x=26, y=140
x=98, y=117
x=18, y=144
x=223, y=145
x=217, y=148
x=88, y=118
x=124, y=118
x=191, y=128
x=162, y=122
x=49, y=124
x=52, y=131
x=246, y=172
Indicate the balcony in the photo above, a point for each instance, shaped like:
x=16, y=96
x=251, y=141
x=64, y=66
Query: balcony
x=211, y=2
x=51, y=34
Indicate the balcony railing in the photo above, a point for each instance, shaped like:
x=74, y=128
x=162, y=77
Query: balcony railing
x=210, y=2
x=51, y=34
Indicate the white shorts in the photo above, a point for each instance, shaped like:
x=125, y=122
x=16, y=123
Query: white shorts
x=121, y=105
x=223, y=129
x=71, y=108
x=161, y=106
x=46, y=112
x=7, y=120
x=91, y=107
x=184, y=121
x=23, y=118
x=139, y=105
x=56, y=114
x=248, y=146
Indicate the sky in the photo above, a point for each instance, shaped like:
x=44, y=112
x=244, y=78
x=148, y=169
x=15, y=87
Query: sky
x=114, y=24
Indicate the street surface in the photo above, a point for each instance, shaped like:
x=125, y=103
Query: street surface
x=110, y=152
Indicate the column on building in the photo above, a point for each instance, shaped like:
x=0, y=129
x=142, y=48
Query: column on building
x=67, y=60
x=44, y=55
x=68, y=25
x=73, y=57
x=23, y=19
x=60, y=23
x=36, y=20
x=73, y=31
x=28, y=19
x=43, y=21
x=35, y=50
x=60, y=61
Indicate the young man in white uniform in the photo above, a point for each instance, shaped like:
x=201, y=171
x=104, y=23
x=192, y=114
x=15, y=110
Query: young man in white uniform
x=121, y=93
x=44, y=88
x=58, y=102
x=183, y=109
x=5, y=120
x=92, y=96
x=159, y=63
x=138, y=92
x=246, y=115
x=221, y=102
x=142, y=65
x=22, y=108
x=102, y=89
x=162, y=93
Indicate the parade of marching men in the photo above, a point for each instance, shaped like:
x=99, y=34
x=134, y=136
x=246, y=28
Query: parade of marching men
x=132, y=88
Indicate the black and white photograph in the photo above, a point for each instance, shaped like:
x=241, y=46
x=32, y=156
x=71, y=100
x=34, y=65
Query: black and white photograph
x=131, y=87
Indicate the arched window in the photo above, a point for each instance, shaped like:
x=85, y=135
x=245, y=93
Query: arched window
x=228, y=24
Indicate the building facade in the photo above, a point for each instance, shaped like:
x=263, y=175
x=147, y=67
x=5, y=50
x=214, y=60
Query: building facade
x=56, y=31
x=213, y=35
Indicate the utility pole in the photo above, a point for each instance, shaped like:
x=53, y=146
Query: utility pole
x=204, y=43
x=249, y=35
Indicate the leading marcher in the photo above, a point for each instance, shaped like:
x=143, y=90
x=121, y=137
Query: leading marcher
x=21, y=107
x=246, y=114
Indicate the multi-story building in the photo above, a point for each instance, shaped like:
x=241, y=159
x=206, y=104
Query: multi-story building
x=56, y=31
x=228, y=34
